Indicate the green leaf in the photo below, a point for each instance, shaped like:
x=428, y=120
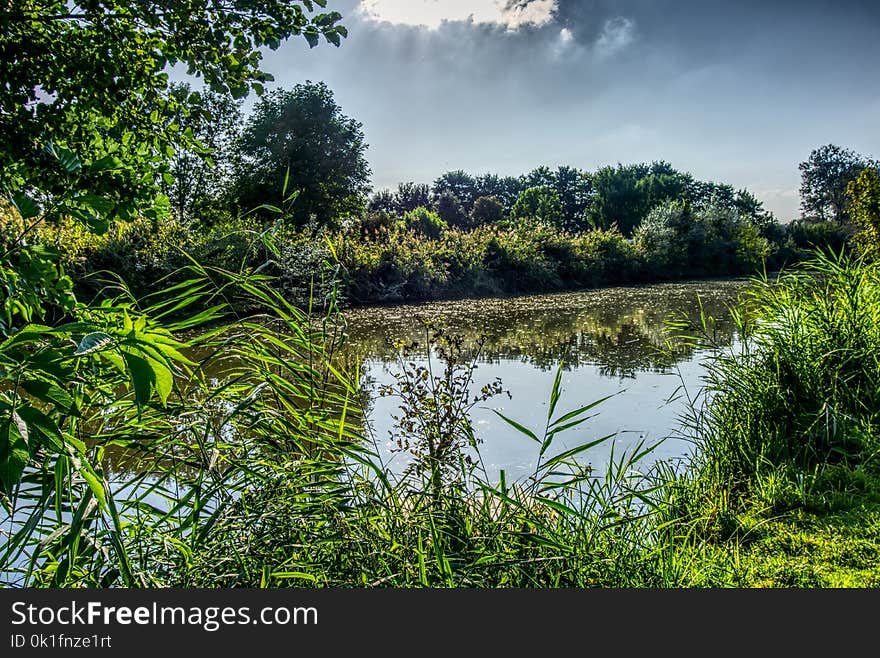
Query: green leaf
x=68, y=160
x=99, y=204
x=50, y=393
x=568, y=454
x=13, y=450
x=107, y=163
x=142, y=377
x=42, y=428
x=519, y=428
x=95, y=485
x=577, y=412
x=93, y=342
x=27, y=207
x=556, y=392
x=164, y=380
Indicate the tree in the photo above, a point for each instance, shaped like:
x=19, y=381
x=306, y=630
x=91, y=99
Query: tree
x=539, y=177
x=617, y=198
x=506, y=189
x=450, y=210
x=301, y=136
x=486, y=210
x=662, y=237
x=625, y=194
x=461, y=184
x=411, y=196
x=539, y=203
x=86, y=110
x=425, y=222
x=864, y=194
x=202, y=172
x=383, y=201
x=824, y=179
x=575, y=190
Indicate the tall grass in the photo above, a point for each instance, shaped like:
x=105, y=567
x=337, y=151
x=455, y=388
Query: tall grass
x=250, y=466
x=254, y=467
x=198, y=401
x=788, y=417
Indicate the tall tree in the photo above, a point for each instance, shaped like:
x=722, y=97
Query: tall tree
x=383, y=201
x=864, y=194
x=411, y=196
x=461, y=184
x=540, y=204
x=824, y=179
x=302, y=137
x=450, y=210
x=575, y=191
x=85, y=105
x=617, y=198
x=202, y=172
x=504, y=188
x=486, y=210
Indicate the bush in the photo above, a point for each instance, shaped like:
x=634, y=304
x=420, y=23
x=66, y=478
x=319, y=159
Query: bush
x=540, y=204
x=450, y=210
x=807, y=235
x=660, y=239
x=487, y=210
x=800, y=390
x=425, y=223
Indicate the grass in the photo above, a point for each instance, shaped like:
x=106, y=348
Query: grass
x=261, y=475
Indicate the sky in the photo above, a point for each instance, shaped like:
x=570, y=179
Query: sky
x=736, y=92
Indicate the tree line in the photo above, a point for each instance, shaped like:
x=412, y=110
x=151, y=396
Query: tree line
x=300, y=139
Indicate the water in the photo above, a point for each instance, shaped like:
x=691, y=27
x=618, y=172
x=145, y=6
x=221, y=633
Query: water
x=612, y=340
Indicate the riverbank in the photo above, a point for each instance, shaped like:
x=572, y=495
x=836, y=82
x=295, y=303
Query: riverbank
x=391, y=263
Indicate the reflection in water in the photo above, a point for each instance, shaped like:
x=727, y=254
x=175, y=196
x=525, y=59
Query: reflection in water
x=619, y=330
x=613, y=340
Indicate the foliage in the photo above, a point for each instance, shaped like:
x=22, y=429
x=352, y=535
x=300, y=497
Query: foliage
x=434, y=425
x=299, y=139
x=504, y=188
x=425, y=223
x=824, y=179
x=623, y=195
x=460, y=184
x=383, y=201
x=486, y=210
x=450, y=210
x=202, y=174
x=117, y=124
x=411, y=196
x=864, y=194
x=198, y=415
x=540, y=204
x=799, y=389
x=660, y=237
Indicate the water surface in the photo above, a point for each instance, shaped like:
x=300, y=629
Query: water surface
x=612, y=342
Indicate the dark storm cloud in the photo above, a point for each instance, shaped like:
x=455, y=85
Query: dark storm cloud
x=739, y=91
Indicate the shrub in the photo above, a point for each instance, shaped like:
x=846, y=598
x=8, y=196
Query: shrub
x=450, y=210
x=424, y=222
x=487, y=210
x=540, y=204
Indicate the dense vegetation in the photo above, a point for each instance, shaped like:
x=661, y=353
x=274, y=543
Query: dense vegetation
x=155, y=313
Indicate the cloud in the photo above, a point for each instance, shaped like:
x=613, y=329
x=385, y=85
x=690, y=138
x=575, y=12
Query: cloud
x=618, y=33
x=738, y=92
x=431, y=14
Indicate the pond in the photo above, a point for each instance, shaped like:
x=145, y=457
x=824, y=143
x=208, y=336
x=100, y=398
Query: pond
x=610, y=342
